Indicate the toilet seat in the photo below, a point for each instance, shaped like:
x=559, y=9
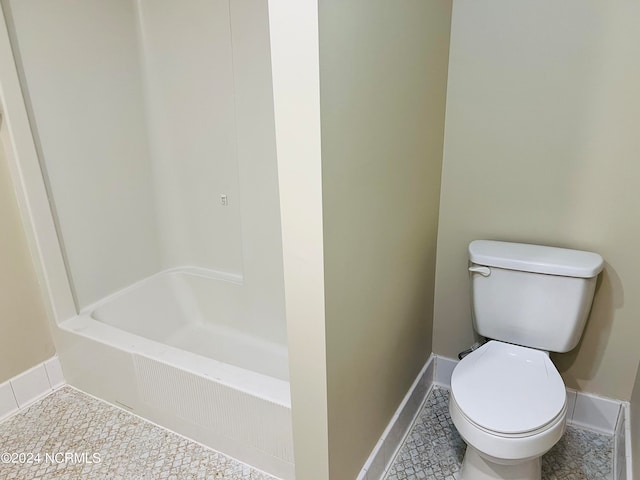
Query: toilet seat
x=508, y=390
x=506, y=436
x=507, y=449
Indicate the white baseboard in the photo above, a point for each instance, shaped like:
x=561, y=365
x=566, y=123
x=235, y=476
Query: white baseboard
x=593, y=412
x=622, y=445
x=22, y=390
x=385, y=450
x=444, y=369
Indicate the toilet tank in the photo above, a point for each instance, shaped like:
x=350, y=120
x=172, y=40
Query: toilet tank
x=532, y=295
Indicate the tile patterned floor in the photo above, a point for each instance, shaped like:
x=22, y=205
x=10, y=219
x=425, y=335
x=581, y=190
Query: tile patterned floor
x=434, y=450
x=128, y=447
x=131, y=449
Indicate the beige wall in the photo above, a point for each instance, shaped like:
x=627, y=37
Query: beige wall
x=25, y=340
x=541, y=146
x=383, y=69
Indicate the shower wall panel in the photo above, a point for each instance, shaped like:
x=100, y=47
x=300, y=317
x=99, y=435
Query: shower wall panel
x=83, y=83
x=188, y=72
x=258, y=170
x=148, y=114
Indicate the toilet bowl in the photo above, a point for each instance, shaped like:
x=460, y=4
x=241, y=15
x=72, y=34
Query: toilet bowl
x=509, y=404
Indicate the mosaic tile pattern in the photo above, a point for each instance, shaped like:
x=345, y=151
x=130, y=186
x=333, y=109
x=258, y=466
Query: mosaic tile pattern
x=580, y=454
x=125, y=446
x=434, y=450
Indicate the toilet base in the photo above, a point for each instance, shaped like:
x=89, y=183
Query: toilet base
x=476, y=467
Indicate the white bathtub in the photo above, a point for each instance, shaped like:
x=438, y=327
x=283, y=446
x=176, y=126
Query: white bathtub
x=171, y=348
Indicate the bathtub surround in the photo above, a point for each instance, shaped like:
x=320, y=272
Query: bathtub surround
x=125, y=212
x=186, y=52
x=242, y=413
x=166, y=349
x=115, y=235
x=25, y=340
x=175, y=308
x=183, y=97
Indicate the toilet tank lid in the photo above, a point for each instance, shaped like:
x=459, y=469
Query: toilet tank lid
x=535, y=258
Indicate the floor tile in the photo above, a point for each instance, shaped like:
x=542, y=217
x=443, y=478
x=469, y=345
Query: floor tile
x=125, y=446
x=434, y=450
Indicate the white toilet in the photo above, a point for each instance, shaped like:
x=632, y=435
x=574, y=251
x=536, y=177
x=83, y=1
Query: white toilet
x=507, y=400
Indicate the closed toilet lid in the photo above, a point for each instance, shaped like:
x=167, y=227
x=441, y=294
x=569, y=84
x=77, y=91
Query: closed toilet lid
x=507, y=388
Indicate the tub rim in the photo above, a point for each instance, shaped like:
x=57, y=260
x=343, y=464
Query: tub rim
x=252, y=383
